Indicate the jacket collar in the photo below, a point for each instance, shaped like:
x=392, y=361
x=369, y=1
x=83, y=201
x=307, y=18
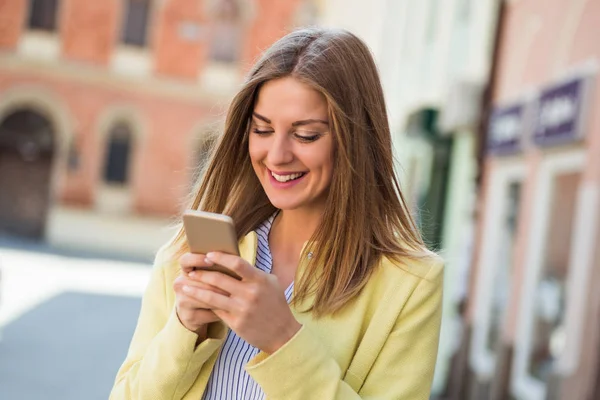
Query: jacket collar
x=248, y=247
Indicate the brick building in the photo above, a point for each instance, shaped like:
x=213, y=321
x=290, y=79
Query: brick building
x=533, y=316
x=106, y=107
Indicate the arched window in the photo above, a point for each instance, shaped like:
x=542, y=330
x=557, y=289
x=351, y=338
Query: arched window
x=118, y=154
x=28, y=133
x=42, y=14
x=226, y=34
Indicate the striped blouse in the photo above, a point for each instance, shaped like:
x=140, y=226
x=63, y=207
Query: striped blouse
x=229, y=380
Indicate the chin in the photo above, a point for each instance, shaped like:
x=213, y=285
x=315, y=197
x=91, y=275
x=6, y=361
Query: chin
x=286, y=205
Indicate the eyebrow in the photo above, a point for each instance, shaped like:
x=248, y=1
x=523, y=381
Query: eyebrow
x=294, y=124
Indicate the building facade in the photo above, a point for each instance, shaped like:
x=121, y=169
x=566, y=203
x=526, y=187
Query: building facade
x=106, y=109
x=533, y=316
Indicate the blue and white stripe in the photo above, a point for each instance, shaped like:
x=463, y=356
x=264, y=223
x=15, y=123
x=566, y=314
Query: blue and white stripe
x=229, y=380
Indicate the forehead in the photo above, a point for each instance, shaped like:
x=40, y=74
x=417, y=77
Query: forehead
x=289, y=100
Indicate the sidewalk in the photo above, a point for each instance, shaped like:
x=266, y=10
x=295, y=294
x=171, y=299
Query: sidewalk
x=66, y=320
x=30, y=277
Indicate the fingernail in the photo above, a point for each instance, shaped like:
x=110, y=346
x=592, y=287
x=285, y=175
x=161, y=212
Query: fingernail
x=187, y=289
x=192, y=274
x=208, y=258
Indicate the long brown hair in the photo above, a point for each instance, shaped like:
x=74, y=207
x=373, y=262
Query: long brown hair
x=366, y=217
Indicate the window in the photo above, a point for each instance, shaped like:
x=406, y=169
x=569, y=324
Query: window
x=42, y=14
x=226, y=35
x=118, y=153
x=550, y=294
x=135, y=23
x=500, y=292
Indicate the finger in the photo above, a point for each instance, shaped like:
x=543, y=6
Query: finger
x=206, y=286
x=206, y=315
x=217, y=280
x=191, y=303
x=181, y=281
x=210, y=298
x=189, y=261
x=209, y=316
x=234, y=263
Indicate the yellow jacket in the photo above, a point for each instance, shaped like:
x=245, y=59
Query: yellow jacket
x=382, y=345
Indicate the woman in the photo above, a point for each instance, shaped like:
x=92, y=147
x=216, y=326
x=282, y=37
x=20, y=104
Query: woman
x=339, y=298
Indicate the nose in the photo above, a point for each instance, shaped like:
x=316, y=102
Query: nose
x=280, y=150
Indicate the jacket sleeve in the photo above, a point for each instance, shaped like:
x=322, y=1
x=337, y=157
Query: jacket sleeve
x=162, y=361
x=302, y=369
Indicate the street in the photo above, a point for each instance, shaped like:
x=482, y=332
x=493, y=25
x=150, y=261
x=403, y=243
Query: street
x=65, y=323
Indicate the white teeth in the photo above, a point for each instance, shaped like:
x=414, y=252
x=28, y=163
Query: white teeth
x=285, y=178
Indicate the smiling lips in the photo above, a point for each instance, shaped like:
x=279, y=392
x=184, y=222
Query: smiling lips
x=282, y=178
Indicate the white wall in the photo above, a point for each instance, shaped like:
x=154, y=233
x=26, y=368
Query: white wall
x=358, y=16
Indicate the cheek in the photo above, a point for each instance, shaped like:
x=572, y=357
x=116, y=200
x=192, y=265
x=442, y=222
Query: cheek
x=253, y=157
x=322, y=162
x=254, y=151
x=328, y=168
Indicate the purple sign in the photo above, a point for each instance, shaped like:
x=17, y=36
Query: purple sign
x=560, y=113
x=505, y=129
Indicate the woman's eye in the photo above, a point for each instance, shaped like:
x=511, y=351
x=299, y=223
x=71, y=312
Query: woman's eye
x=307, y=138
x=260, y=131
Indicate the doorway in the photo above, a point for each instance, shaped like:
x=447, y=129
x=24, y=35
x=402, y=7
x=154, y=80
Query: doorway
x=27, y=146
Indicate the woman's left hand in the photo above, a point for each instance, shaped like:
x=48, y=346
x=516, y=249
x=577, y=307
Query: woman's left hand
x=256, y=308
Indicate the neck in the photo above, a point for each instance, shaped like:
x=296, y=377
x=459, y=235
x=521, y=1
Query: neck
x=292, y=228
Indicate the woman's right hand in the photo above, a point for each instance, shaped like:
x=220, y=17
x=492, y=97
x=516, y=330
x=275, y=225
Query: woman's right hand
x=193, y=314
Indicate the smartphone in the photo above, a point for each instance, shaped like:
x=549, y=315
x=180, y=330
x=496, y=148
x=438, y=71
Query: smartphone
x=206, y=232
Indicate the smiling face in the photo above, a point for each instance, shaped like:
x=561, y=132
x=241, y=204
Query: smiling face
x=290, y=145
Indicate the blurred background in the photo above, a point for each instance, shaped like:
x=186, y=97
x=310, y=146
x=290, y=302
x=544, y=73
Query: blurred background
x=106, y=108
